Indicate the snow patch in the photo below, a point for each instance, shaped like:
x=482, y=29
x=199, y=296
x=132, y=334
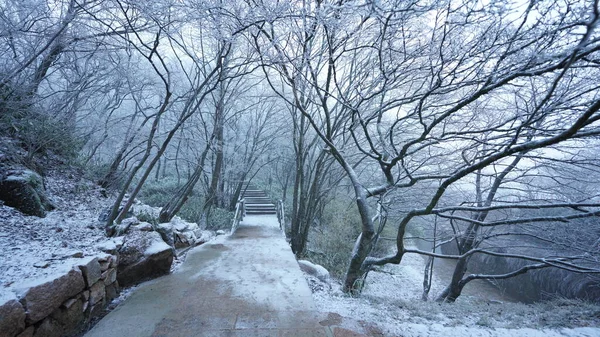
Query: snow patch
x=156, y=247
x=314, y=269
x=391, y=301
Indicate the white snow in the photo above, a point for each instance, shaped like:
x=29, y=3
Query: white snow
x=317, y=270
x=50, y=243
x=391, y=301
x=156, y=247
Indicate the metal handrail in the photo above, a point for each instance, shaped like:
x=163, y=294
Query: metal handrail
x=280, y=214
x=240, y=213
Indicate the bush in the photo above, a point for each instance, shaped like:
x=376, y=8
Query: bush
x=192, y=209
x=39, y=133
x=219, y=218
x=158, y=193
x=331, y=243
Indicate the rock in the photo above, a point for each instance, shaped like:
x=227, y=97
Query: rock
x=24, y=190
x=85, y=295
x=103, y=258
x=184, y=239
x=203, y=236
x=114, y=261
x=109, y=276
x=144, y=226
x=12, y=314
x=111, y=246
x=108, y=247
x=221, y=232
x=76, y=254
x=131, y=221
x=48, y=328
x=166, y=232
x=27, y=333
x=112, y=291
x=143, y=256
x=97, y=308
x=91, y=271
x=97, y=292
x=70, y=315
x=183, y=226
x=42, y=264
x=42, y=297
x=104, y=265
x=314, y=269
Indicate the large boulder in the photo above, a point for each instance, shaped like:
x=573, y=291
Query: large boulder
x=12, y=314
x=167, y=233
x=184, y=239
x=313, y=269
x=184, y=233
x=42, y=297
x=203, y=236
x=24, y=190
x=144, y=255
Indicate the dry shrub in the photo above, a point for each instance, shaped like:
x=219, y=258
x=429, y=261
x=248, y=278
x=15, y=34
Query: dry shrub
x=330, y=243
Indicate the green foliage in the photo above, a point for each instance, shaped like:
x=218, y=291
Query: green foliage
x=219, y=218
x=331, y=243
x=192, y=209
x=145, y=216
x=40, y=133
x=158, y=193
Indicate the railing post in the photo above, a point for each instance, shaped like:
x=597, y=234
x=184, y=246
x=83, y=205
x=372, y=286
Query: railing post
x=281, y=215
x=243, y=208
x=240, y=212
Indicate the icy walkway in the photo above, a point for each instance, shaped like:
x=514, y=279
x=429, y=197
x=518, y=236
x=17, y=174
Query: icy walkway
x=248, y=284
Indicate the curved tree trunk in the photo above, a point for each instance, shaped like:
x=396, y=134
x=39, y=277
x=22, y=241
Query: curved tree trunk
x=177, y=201
x=468, y=240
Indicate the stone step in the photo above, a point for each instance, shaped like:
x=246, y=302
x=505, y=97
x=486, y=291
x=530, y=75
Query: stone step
x=260, y=212
x=259, y=206
x=254, y=196
x=258, y=201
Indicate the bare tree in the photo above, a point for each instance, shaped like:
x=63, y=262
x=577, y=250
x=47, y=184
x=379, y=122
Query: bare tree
x=401, y=80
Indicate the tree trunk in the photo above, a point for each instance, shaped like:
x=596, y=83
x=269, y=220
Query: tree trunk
x=468, y=240
x=454, y=290
x=213, y=191
x=362, y=248
x=173, y=206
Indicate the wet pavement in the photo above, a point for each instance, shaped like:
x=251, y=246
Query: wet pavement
x=248, y=284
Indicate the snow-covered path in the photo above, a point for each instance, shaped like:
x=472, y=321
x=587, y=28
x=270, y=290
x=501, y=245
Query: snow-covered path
x=246, y=284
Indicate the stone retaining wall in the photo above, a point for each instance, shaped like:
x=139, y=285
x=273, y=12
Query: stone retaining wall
x=59, y=305
x=62, y=304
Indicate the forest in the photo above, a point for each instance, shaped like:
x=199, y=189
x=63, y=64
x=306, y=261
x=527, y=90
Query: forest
x=465, y=131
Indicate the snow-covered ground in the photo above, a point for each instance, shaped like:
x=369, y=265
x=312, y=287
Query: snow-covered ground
x=32, y=247
x=37, y=248
x=391, y=305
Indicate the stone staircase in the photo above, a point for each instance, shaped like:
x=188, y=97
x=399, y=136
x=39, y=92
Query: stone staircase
x=257, y=202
